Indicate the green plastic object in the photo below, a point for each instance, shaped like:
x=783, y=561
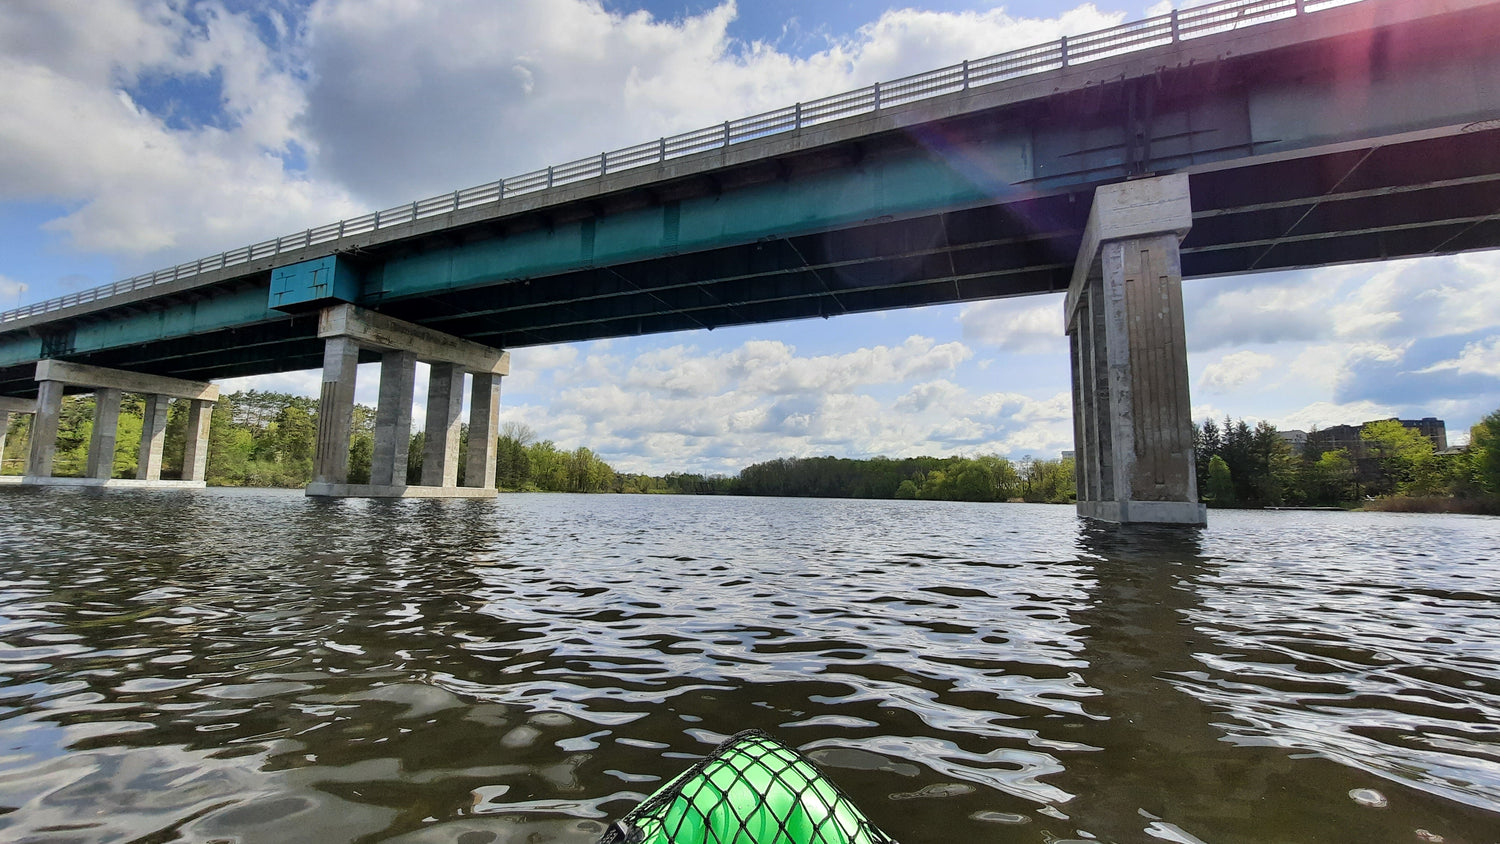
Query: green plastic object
x=751, y=790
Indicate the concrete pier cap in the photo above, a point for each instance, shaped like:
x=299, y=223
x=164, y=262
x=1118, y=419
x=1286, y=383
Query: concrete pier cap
x=1140, y=208
x=374, y=330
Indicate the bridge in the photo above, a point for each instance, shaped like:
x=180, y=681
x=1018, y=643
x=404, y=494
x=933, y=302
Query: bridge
x=1241, y=136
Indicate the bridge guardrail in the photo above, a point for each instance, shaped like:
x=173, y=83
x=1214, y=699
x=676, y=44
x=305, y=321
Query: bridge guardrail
x=1179, y=25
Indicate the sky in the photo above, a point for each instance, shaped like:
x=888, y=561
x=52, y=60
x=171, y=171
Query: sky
x=137, y=134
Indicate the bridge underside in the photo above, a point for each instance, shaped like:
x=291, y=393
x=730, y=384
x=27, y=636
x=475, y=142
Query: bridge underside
x=1423, y=197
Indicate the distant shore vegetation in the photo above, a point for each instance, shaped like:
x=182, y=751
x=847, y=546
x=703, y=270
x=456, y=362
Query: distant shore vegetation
x=1397, y=469
x=266, y=439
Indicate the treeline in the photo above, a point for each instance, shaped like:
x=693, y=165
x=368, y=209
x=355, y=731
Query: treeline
x=1243, y=466
x=983, y=478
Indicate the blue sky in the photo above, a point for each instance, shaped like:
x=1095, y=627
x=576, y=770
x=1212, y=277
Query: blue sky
x=135, y=135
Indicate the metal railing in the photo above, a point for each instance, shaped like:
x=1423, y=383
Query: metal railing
x=1181, y=25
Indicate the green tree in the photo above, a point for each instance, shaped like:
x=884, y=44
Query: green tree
x=1220, y=483
x=1403, y=456
x=1484, y=451
x=1332, y=477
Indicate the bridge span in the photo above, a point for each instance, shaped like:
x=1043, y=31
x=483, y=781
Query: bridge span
x=1242, y=136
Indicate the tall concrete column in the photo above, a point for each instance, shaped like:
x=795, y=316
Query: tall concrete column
x=4, y=430
x=335, y=411
x=1132, y=417
x=195, y=449
x=49, y=398
x=445, y=400
x=153, y=437
x=398, y=374
x=484, y=430
x=106, y=428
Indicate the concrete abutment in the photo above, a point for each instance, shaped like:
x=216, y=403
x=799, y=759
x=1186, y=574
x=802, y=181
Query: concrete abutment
x=1131, y=413
x=346, y=329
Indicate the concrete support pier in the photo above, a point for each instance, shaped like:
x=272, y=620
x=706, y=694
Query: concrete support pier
x=398, y=380
x=1131, y=413
x=9, y=405
x=348, y=329
x=484, y=430
x=54, y=377
x=153, y=437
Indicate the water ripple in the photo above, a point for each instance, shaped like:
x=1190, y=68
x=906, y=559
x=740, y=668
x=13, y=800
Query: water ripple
x=258, y=666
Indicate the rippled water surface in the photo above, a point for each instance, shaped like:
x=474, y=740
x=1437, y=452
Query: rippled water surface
x=236, y=666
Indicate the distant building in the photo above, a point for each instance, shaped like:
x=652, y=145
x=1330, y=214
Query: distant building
x=1294, y=438
x=1347, y=436
x=1067, y=455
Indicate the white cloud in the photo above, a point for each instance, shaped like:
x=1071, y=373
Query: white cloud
x=10, y=291
x=1324, y=414
x=1241, y=310
x=1480, y=358
x=1014, y=325
x=142, y=190
x=1234, y=371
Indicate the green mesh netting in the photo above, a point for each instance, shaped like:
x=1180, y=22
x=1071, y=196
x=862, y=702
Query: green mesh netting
x=751, y=790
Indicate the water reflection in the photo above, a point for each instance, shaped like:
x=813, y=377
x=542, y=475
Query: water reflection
x=250, y=666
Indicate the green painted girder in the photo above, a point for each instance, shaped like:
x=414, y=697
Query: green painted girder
x=884, y=187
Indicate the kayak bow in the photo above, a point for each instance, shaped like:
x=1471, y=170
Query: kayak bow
x=751, y=790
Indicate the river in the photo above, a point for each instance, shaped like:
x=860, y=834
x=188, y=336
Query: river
x=249, y=666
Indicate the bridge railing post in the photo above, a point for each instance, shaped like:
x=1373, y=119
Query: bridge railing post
x=1062, y=45
x=1177, y=32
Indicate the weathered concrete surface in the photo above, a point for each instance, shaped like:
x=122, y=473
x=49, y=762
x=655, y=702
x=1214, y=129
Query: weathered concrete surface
x=335, y=411
x=1132, y=416
x=322, y=490
x=153, y=438
x=44, y=430
x=195, y=450
x=106, y=428
x=80, y=375
x=398, y=374
x=445, y=400
x=484, y=430
x=375, y=330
